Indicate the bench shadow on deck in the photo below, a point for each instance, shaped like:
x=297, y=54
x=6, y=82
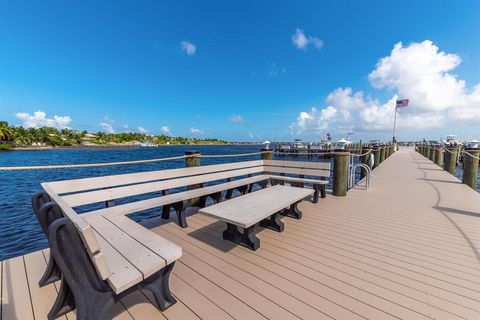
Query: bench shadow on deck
x=358, y=257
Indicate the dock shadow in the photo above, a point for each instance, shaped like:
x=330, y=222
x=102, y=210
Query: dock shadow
x=454, y=210
x=205, y=235
x=441, y=181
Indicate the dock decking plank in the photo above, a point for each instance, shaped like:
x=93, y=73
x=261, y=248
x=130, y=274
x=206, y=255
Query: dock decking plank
x=16, y=302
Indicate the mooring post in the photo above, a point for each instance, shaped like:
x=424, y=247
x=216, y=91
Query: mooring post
x=376, y=156
x=470, y=167
x=193, y=160
x=427, y=151
x=366, y=154
x=267, y=154
x=450, y=163
x=382, y=153
x=340, y=173
x=439, y=155
x=432, y=153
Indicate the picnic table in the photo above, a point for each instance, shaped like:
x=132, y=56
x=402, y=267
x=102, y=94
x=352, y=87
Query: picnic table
x=262, y=207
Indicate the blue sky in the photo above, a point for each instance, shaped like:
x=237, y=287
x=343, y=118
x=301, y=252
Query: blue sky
x=241, y=70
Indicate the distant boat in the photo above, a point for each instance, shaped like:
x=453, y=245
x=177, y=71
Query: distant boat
x=148, y=144
x=451, y=140
x=342, y=144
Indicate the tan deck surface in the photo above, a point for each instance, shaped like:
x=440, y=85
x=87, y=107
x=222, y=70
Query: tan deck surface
x=408, y=248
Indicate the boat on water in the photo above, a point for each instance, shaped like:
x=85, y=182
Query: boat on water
x=451, y=140
x=342, y=144
x=148, y=144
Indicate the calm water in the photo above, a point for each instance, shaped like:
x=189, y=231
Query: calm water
x=20, y=231
x=459, y=174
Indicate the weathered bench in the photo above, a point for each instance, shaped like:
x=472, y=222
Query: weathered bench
x=261, y=207
x=319, y=172
x=101, y=259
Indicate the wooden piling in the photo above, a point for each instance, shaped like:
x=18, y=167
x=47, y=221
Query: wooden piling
x=267, y=154
x=193, y=160
x=432, y=153
x=470, y=167
x=340, y=173
x=427, y=152
x=365, y=160
x=376, y=156
x=382, y=153
x=439, y=155
x=450, y=163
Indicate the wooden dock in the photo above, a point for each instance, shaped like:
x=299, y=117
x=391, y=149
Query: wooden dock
x=408, y=248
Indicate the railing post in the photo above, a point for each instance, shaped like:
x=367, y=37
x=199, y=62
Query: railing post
x=470, y=167
x=193, y=160
x=365, y=160
x=439, y=155
x=376, y=157
x=450, y=163
x=340, y=173
x=427, y=152
x=382, y=153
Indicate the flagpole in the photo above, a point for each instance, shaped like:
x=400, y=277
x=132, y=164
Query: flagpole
x=394, y=124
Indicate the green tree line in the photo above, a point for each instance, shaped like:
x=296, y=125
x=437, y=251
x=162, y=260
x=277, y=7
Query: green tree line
x=17, y=136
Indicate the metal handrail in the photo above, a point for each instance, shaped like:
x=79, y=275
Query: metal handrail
x=351, y=180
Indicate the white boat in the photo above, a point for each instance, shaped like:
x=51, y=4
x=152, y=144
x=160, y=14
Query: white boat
x=342, y=144
x=451, y=140
x=148, y=144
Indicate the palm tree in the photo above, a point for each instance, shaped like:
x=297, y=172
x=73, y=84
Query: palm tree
x=6, y=132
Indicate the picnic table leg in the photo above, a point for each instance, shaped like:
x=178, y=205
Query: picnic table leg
x=273, y=222
x=293, y=211
x=247, y=238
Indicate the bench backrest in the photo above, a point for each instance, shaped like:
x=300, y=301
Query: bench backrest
x=86, y=232
x=93, y=190
x=302, y=168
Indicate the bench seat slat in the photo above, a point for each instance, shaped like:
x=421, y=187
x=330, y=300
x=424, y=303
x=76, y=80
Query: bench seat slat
x=77, y=185
x=299, y=171
x=124, y=274
x=79, y=199
x=166, y=249
x=136, y=206
x=141, y=257
x=294, y=179
x=298, y=164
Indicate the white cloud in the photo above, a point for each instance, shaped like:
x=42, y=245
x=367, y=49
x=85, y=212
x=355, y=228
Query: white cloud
x=39, y=119
x=235, y=118
x=107, y=127
x=188, y=47
x=419, y=72
x=142, y=130
x=301, y=41
x=166, y=130
x=196, y=131
x=125, y=126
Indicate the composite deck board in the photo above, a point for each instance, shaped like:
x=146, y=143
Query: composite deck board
x=384, y=288
x=407, y=248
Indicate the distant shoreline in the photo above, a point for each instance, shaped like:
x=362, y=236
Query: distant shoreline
x=124, y=147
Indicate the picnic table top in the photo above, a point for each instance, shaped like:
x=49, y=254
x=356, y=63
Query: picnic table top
x=246, y=210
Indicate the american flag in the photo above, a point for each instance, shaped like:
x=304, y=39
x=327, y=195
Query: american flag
x=402, y=103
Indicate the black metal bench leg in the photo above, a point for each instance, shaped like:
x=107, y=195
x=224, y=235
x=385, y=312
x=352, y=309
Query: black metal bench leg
x=180, y=209
x=293, y=211
x=323, y=192
x=273, y=222
x=247, y=238
x=51, y=274
x=160, y=288
x=203, y=201
x=64, y=303
x=316, y=193
x=166, y=208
